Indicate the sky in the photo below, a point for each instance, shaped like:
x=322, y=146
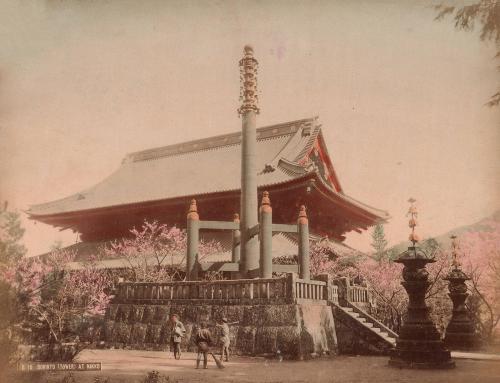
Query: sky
x=400, y=97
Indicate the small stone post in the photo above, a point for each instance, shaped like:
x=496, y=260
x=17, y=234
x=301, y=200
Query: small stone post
x=327, y=293
x=193, y=233
x=419, y=344
x=460, y=333
x=236, y=237
x=303, y=226
x=266, y=237
x=236, y=240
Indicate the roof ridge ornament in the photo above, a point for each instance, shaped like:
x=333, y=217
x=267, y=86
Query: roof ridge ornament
x=248, y=82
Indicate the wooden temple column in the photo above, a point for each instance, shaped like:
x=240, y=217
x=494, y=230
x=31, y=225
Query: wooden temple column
x=266, y=237
x=193, y=236
x=303, y=228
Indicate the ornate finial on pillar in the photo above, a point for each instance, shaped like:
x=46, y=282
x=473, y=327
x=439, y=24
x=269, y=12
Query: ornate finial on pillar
x=454, y=248
x=248, y=82
x=265, y=205
x=302, y=220
x=193, y=211
x=412, y=212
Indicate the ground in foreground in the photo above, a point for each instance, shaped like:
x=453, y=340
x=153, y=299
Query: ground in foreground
x=127, y=366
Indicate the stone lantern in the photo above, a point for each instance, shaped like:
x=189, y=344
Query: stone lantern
x=419, y=344
x=460, y=333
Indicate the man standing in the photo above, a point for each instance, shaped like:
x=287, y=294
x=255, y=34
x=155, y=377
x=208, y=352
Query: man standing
x=177, y=333
x=203, y=341
x=225, y=340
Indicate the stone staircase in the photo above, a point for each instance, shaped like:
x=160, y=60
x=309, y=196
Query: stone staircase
x=365, y=326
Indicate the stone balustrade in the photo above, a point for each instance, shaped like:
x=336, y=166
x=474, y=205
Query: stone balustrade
x=309, y=289
x=358, y=294
x=286, y=289
x=248, y=289
x=260, y=290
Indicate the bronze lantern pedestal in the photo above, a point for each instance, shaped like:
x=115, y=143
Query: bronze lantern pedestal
x=419, y=344
x=460, y=333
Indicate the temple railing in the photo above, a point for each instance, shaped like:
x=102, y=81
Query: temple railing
x=260, y=290
x=358, y=294
x=287, y=289
x=310, y=289
x=349, y=292
x=224, y=290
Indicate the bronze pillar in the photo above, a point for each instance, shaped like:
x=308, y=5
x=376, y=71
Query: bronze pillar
x=248, y=110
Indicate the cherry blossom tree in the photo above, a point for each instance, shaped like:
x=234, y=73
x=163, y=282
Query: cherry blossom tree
x=11, y=249
x=53, y=299
x=479, y=254
x=156, y=252
x=325, y=260
x=383, y=277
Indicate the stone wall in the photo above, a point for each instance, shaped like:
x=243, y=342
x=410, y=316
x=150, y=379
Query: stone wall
x=297, y=330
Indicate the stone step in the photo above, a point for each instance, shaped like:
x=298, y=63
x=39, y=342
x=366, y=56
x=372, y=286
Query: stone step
x=370, y=325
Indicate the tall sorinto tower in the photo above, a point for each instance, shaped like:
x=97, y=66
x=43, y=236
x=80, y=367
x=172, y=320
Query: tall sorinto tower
x=249, y=214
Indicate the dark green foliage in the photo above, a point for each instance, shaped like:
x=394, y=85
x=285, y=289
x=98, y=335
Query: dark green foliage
x=484, y=12
x=379, y=243
x=430, y=247
x=11, y=234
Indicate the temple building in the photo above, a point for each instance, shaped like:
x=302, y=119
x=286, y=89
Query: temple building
x=200, y=185
x=293, y=164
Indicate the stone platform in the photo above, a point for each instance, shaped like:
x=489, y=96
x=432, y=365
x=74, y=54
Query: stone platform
x=284, y=314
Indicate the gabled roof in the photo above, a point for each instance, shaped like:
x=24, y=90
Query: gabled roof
x=207, y=166
x=197, y=167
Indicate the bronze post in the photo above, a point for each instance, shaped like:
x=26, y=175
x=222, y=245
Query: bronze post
x=249, y=207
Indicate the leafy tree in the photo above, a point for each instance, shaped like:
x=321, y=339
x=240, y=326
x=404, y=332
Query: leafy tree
x=484, y=12
x=379, y=243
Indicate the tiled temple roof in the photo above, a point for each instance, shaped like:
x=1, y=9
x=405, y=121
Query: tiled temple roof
x=191, y=168
x=202, y=167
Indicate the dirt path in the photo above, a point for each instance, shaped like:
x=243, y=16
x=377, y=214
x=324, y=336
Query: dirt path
x=127, y=366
